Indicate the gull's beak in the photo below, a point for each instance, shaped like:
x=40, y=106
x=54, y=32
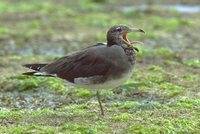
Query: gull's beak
x=125, y=38
x=135, y=30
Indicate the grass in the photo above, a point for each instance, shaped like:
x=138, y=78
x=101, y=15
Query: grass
x=150, y=102
x=162, y=96
x=166, y=118
x=193, y=63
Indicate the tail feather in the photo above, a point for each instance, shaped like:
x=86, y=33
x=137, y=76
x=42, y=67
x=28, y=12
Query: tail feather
x=29, y=73
x=35, y=67
x=39, y=74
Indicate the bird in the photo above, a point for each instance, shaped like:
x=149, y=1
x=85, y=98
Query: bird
x=100, y=66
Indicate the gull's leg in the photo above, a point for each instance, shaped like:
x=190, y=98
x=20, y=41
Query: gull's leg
x=99, y=100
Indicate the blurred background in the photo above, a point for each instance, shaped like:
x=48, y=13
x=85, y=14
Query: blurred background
x=50, y=27
x=166, y=80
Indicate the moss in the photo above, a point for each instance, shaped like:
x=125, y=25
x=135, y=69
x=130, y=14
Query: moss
x=43, y=112
x=10, y=114
x=4, y=30
x=155, y=68
x=162, y=52
x=26, y=7
x=81, y=92
x=28, y=129
x=24, y=82
x=130, y=104
x=195, y=63
x=170, y=63
x=161, y=125
x=170, y=86
x=149, y=105
x=106, y=93
x=75, y=128
x=135, y=85
x=140, y=129
x=144, y=52
x=78, y=106
x=188, y=103
x=90, y=6
x=28, y=83
x=124, y=117
x=76, y=109
x=117, y=104
x=165, y=52
x=167, y=118
x=101, y=1
x=56, y=85
x=190, y=77
x=171, y=90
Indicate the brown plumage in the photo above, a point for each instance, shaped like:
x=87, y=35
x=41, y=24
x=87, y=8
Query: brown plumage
x=99, y=66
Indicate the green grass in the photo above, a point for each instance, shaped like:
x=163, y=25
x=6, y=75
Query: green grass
x=192, y=63
x=152, y=102
x=172, y=117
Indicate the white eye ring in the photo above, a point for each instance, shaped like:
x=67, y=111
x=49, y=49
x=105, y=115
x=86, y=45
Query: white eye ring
x=118, y=28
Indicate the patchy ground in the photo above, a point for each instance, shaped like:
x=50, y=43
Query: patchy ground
x=162, y=96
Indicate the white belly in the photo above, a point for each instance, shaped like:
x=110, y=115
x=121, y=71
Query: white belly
x=110, y=83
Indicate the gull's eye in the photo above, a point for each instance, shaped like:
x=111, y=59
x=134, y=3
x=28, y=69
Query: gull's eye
x=119, y=29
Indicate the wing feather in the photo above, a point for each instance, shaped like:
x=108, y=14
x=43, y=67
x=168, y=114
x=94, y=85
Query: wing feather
x=85, y=63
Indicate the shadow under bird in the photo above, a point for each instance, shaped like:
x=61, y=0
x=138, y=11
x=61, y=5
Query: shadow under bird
x=104, y=65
